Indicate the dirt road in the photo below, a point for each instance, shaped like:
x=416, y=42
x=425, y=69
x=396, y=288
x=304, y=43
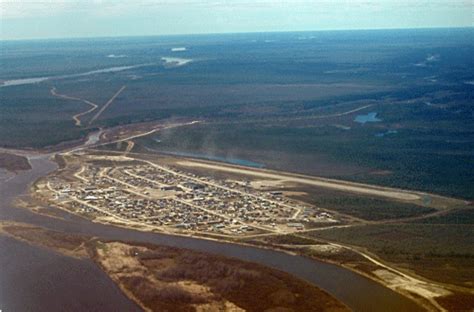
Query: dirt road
x=76, y=117
x=107, y=105
x=336, y=114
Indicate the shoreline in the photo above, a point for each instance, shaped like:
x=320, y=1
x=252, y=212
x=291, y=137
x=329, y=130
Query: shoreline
x=273, y=248
x=422, y=302
x=83, y=247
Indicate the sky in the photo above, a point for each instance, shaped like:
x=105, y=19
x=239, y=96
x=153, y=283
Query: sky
x=34, y=19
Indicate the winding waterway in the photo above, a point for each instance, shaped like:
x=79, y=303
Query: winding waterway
x=37, y=279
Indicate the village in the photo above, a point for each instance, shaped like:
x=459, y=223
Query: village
x=167, y=198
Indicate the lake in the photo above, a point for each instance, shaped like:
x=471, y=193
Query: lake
x=370, y=117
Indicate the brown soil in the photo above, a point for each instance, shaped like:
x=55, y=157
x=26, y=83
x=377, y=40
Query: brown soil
x=191, y=281
x=457, y=302
x=60, y=161
x=67, y=244
x=12, y=162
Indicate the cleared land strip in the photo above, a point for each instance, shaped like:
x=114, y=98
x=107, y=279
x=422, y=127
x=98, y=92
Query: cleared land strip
x=77, y=116
x=296, y=118
x=106, y=105
x=320, y=182
x=336, y=114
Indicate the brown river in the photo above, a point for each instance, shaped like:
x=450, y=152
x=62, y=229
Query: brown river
x=36, y=279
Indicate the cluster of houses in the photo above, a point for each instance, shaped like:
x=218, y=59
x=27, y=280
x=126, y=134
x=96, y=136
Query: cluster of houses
x=166, y=197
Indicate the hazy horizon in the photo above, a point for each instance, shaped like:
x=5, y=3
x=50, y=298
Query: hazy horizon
x=239, y=33
x=57, y=19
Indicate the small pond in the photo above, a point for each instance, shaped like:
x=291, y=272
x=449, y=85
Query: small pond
x=370, y=117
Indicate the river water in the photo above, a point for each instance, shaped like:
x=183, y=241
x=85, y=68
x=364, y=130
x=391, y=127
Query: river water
x=33, y=80
x=33, y=278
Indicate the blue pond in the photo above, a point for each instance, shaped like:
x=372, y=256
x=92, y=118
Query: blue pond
x=388, y=132
x=370, y=117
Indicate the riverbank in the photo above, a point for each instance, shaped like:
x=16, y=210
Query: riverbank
x=166, y=278
x=359, y=293
x=423, y=290
x=13, y=162
x=219, y=240
x=40, y=192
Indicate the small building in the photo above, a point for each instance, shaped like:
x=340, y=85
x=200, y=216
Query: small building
x=193, y=186
x=295, y=225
